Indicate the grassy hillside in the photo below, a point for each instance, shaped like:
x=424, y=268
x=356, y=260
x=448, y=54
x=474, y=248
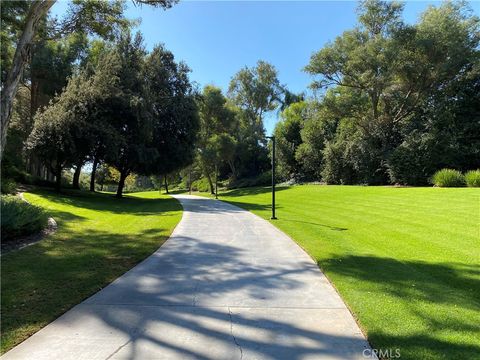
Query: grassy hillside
x=405, y=260
x=98, y=239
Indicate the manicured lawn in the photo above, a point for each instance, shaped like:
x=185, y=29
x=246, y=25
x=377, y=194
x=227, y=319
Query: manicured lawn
x=98, y=239
x=405, y=260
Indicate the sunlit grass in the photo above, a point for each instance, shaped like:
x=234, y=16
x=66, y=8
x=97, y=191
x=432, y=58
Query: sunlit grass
x=98, y=239
x=405, y=260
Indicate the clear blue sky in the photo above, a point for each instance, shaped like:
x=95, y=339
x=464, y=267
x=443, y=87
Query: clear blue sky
x=217, y=38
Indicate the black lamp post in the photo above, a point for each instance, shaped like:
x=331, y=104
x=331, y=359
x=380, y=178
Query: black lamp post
x=273, y=176
x=190, y=180
x=216, y=181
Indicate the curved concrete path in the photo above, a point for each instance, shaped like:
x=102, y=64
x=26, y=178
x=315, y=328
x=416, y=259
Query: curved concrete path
x=226, y=285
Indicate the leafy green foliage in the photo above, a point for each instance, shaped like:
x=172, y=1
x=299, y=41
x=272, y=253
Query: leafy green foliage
x=8, y=186
x=255, y=92
x=159, y=115
x=402, y=99
x=472, y=178
x=288, y=139
x=262, y=179
x=216, y=142
x=51, y=140
x=202, y=185
x=20, y=218
x=53, y=62
x=134, y=111
x=448, y=178
x=13, y=15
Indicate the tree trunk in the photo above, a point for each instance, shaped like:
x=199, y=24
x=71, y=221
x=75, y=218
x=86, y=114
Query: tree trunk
x=92, y=176
x=58, y=177
x=232, y=168
x=210, y=183
x=166, y=184
x=22, y=53
x=76, y=176
x=121, y=183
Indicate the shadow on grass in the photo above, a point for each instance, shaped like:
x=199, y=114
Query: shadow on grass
x=252, y=191
x=455, y=285
x=106, y=202
x=251, y=206
x=449, y=283
x=335, y=228
x=42, y=281
x=186, y=271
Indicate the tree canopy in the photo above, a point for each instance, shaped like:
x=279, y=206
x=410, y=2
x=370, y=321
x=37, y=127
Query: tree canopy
x=393, y=102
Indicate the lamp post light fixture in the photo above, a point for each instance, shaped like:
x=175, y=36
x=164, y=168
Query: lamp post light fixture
x=216, y=181
x=190, y=180
x=273, y=176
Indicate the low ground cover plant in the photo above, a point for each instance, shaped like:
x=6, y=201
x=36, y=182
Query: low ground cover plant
x=20, y=218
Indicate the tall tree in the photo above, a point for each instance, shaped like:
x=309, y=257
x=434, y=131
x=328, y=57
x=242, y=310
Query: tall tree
x=255, y=91
x=397, y=68
x=218, y=124
x=288, y=139
x=51, y=139
x=129, y=118
x=172, y=113
x=81, y=117
x=89, y=16
x=157, y=118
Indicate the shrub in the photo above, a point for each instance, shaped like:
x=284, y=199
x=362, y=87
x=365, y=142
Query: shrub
x=412, y=163
x=8, y=186
x=448, y=178
x=472, y=178
x=259, y=180
x=20, y=218
x=202, y=185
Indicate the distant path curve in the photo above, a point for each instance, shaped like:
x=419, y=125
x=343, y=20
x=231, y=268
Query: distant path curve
x=226, y=285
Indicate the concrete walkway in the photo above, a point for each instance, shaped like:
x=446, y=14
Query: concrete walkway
x=226, y=285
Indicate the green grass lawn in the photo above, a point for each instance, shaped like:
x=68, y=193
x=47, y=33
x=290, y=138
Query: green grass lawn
x=98, y=239
x=405, y=260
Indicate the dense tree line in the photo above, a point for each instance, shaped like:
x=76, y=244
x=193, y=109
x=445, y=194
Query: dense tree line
x=24, y=21
x=232, y=134
x=391, y=103
x=133, y=110
x=96, y=100
x=397, y=103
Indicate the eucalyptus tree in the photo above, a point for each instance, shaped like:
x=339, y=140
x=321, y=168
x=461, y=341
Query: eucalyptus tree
x=218, y=124
x=255, y=91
